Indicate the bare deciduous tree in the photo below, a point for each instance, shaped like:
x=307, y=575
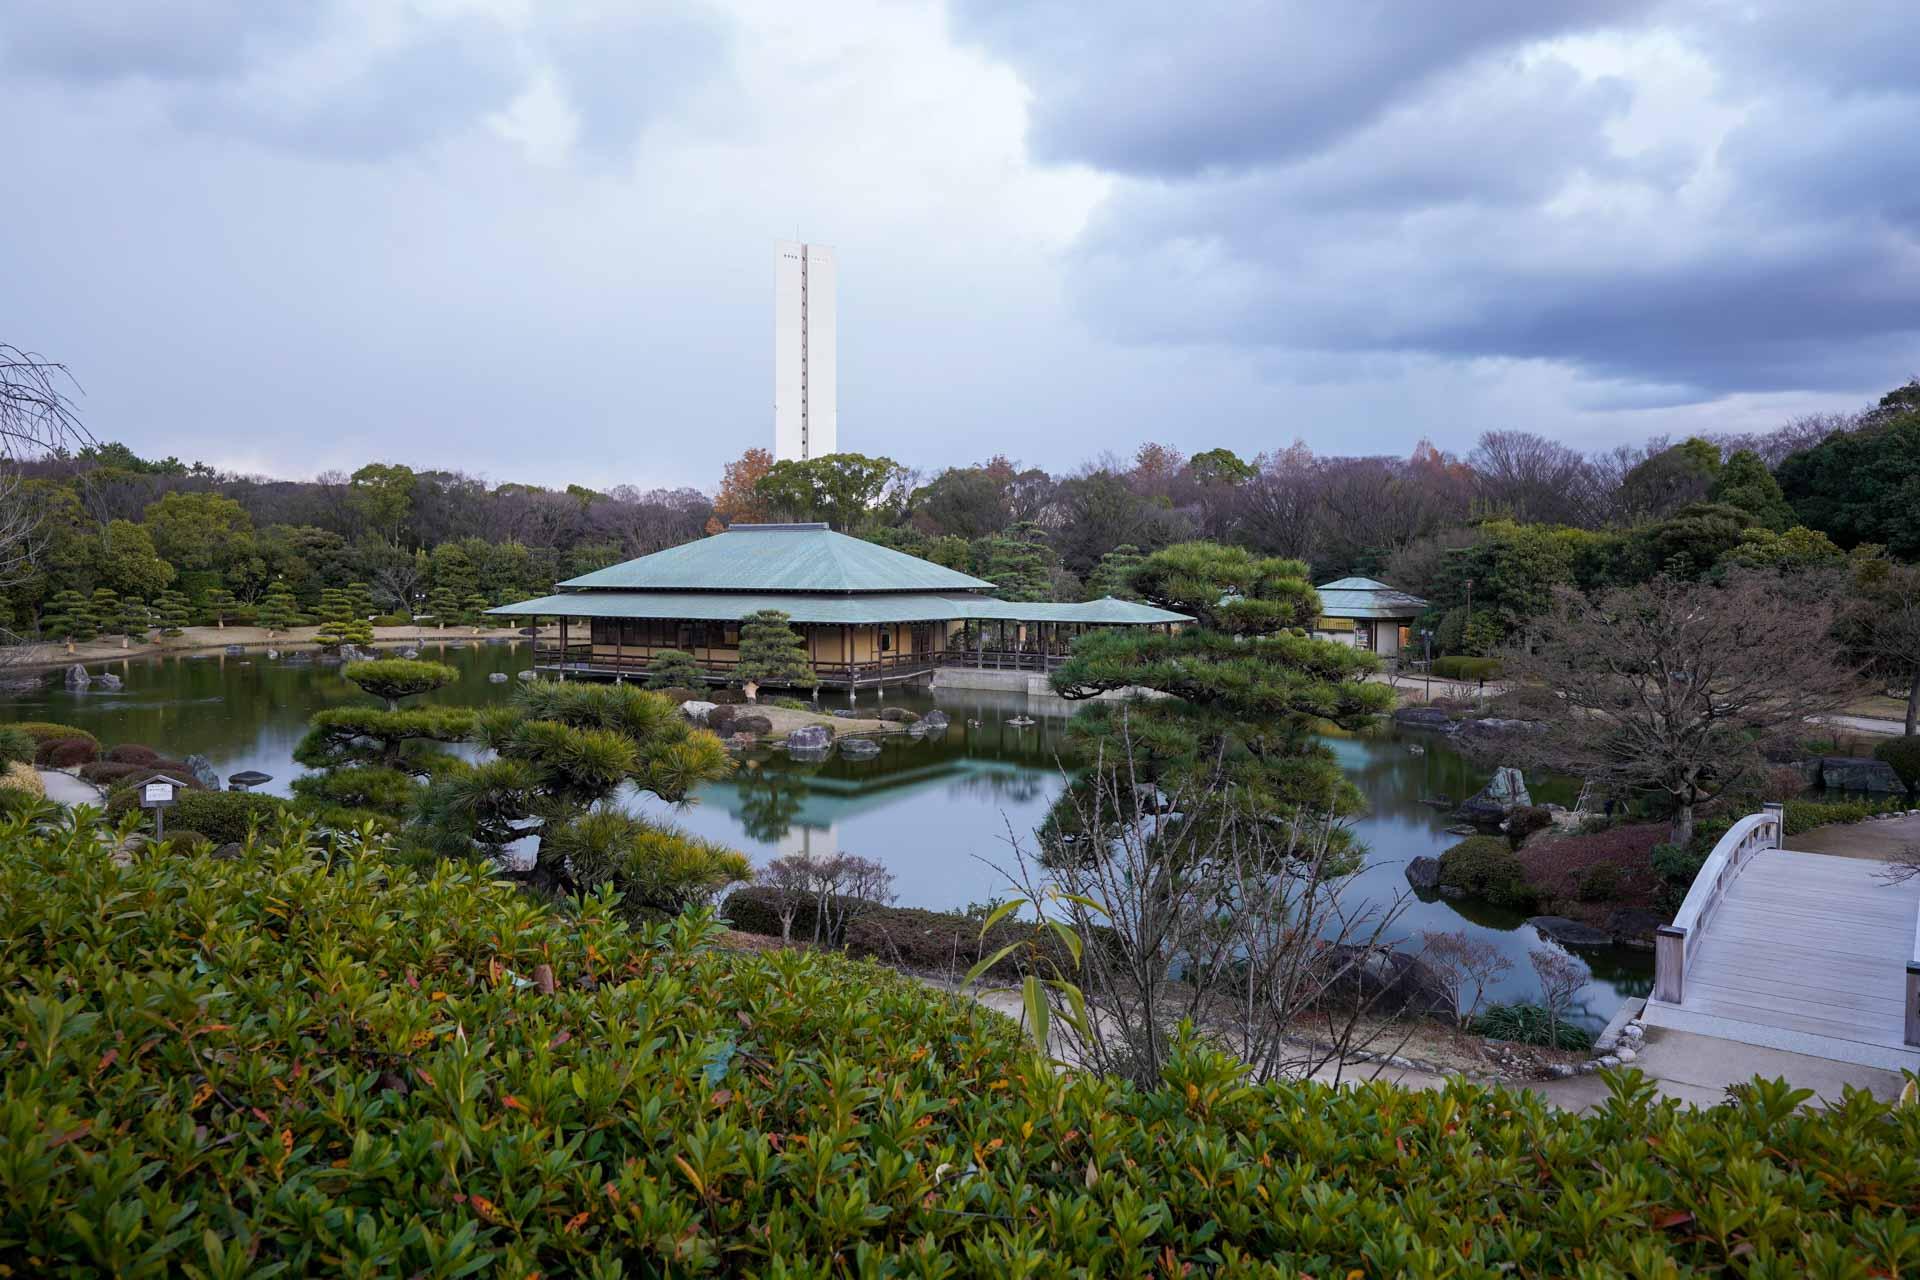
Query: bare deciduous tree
x=841, y=889
x=1885, y=625
x=1466, y=966
x=1677, y=686
x=36, y=418
x=1561, y=978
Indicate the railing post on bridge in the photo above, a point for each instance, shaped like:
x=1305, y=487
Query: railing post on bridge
x=1778, y=812
x=1669, y=963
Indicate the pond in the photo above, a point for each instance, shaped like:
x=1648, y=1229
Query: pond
x=939, y=812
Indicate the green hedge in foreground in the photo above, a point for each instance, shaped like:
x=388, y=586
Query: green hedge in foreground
x=1461, y=667
x=273, y=1065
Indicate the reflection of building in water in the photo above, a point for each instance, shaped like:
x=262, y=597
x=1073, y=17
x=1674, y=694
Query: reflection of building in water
x=818, y=842
x=772, y=804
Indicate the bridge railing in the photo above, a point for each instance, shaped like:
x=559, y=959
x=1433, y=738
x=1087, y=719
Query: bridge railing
x=1675, y=945
x=1913, y=988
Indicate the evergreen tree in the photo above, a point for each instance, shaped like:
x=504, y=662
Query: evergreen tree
x=338, y=634
x=561, y=751
x=392, y=679
x=219, y=606
x=278, y=612
x=136, y=617
x=444, y=604
x=335, y=606
x=69, y=616
x=172, y=611
x=359, y=601
x=108, y=613
x=772, y=653
x=1020, y=563
x=1113, y=575
x=674, y=669
x=475, y=608
x=1746, y=483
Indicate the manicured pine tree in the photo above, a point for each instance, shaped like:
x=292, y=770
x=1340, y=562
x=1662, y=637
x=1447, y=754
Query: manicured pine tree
x=219, y=606
x=475, y=608
x=338, y=633
x=445, y=605
x=107, y=613
x=674, y=669
x=335, y=606
x=376, y=759
x=279, y=611
x=771, y=652
x=1113, y=576
x=136, y=618
x=69, y=616
x=360, y=600
x=173, y=612
x=1020, y=563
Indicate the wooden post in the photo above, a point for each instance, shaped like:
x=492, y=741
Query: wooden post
x=1670, y=966
x=563, y=647
x=1778, y=812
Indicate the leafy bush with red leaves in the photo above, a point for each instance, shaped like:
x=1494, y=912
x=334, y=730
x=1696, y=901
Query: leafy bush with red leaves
x=65, y=753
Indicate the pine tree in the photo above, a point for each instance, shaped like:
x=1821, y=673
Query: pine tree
x=341, y=632
x=1746, y=483
x=1020, y=563
x=136, y=618
x=107, y=612
x=69, y=616
x=360, y=600
x=335, y=606
x=771, y=652
x=172, y=611
x=444, y=604
x=278, y=612
x=674, y=669
x=475, y=607
x=1113, y=575
x=219, y=606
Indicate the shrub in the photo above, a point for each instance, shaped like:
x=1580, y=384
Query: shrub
x=1486, y=867
x=1600, y=883
x=17, y=746
x=1805, y=815
x=107, y=774
x=1461, y=667
x=65, y=753
x=22, y=779
x=720, y=719
x=394, y=620
x=1525, y=820
x=184, y=841
x=927, y=941
x=223, y=816
x=674, y=669
x=507, y=1089
x=44, y=731
x=130, y=753
x=1530, y=1024
x=790, y=704
x=1903, y=754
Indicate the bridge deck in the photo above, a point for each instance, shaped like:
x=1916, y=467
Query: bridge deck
x=1808, y=952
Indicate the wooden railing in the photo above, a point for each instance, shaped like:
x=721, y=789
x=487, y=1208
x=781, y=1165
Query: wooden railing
x=585, y=658
x=1675, y=945
x=1913, y=987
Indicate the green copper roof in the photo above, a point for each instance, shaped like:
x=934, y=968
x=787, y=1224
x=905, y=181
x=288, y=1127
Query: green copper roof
x=1366, y=598
x=780, y=558
x=729, y=606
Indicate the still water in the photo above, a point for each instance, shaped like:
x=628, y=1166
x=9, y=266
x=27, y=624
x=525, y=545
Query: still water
x=941, y=812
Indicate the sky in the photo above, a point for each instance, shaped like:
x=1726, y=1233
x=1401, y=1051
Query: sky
x=533, y=240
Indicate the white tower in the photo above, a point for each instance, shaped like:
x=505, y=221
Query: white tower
x=806, y=413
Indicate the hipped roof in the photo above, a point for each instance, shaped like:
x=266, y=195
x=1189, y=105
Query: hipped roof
x=853, y=609
x=1366, y=598
x=777, y=558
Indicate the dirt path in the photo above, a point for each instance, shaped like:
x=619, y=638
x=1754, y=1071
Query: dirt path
x=53, y=657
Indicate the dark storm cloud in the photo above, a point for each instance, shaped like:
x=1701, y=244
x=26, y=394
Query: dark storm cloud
x=1145, y=87
x=1341, y=181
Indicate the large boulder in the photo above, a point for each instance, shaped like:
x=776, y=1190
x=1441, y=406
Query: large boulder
x=203, y=771
x=1386, y=981
x=1571, y=933
x=108, y=681
x=1424, y=874
x=1852, y=773
x=1490, y=729
x=755, y=724
x=697, y=711
x=935, y=719
x=896, y=715
x=77, y=677
x=1505, y=791
x=1636, y=926
x=1423, y=718
x=859, y=748
x=496, y=677
x=810, y=737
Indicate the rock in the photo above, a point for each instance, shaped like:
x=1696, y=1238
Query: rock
x=1387, y=981
x=108, y=681
x=1424, y=718
x=1635, y=926
x=1849, y=773
x=1424, y=874
x=935, y=720
x=1494, y=727
x=203, y=771
x=235, y=650
x=1504, y=792
x=742, y=741
x=697, y=711
x=227, y=852
x=755, y=724
x=845, y=713
x=273, y=655
x=528, y=674
x=1571, y=933
x=77, y=677
x=918, y=729
x=1625, y=1055
x=1560, y=1070
x=1610, y=1060
x=859, y=749
x=810, y=737
x=896, y=715
x=496, y=677
x=410, y=654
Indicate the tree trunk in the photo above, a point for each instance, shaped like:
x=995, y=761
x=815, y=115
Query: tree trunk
x=1913, y=705
x=1683, y=823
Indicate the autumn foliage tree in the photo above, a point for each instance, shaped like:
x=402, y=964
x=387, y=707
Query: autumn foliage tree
x=740, y=501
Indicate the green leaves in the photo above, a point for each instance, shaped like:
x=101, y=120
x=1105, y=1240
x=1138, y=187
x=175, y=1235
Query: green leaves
x=392, y=679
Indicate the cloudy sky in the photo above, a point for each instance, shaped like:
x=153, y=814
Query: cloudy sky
x=533, y=239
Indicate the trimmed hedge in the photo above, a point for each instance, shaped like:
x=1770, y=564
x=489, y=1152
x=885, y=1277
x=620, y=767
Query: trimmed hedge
x=1903, y=755
x=1460, y=667
x=45, y=731
x=1805, y=815
x=276, y=1064
x=928, y=941
x=65, y=753
x=108, y=774
x=17, y=746
x=222, y=816
x=24, y=779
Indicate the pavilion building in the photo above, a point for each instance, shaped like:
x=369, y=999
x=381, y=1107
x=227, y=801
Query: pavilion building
x=869, y=615
x=1367, y=615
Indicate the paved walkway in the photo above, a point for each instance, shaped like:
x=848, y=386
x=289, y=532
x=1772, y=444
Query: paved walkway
x=1697, y=1069
x=64, y=788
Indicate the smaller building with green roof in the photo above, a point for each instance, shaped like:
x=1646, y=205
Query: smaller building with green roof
x=868, y=614
x=1367, y=615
